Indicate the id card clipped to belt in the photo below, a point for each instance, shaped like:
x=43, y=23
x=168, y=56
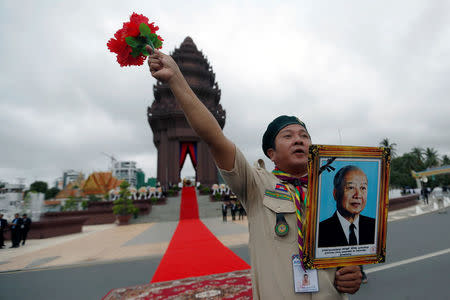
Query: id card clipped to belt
x=305, y=281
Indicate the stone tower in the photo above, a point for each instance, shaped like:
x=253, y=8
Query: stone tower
x=172, y=134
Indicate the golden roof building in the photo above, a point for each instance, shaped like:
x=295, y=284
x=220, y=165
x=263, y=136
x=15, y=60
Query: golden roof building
x=73, y=189
x=100, y=183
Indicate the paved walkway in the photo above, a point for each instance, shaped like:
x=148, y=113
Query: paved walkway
x=100, y=243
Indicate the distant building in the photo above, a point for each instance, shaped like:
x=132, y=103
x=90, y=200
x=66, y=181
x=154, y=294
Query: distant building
x=173, y=137
x=126, y=170
x=58, y=183
x=100, y=183
x=71, y=176
x=11, y=196
x=71, y=190
x=140, y=178
x=151, y=181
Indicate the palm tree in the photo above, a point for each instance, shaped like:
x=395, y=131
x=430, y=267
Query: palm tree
x=431, y=157
x=418, y=153
x=445, y=160
x=385, y=143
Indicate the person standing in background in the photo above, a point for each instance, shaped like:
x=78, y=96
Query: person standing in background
x=25, y=227
x=3, y=227
x=15, y=231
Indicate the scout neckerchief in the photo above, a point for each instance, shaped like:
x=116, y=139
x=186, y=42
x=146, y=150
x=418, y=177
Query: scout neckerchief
x=298, y=198
x=295, y=181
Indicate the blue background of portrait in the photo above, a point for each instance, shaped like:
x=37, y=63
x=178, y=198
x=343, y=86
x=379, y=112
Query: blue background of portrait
x=328, y=204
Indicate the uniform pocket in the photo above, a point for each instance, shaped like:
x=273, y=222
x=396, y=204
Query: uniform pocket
x=273, y=206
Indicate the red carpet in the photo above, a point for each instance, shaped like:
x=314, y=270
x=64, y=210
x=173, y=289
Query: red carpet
x=234, y=285
x=194, y=250
x=189, y=206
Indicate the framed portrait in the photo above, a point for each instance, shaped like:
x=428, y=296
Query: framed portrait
x=347, y=205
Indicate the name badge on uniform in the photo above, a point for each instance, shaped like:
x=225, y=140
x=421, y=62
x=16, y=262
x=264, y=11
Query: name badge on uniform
x=305, y=281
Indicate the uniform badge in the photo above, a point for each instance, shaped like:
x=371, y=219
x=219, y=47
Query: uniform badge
x=281, y=188
x=282, y=227
x=279, y=192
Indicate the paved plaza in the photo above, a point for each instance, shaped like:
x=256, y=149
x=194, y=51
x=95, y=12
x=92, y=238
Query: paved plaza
x=103, y=257
x=146, y=236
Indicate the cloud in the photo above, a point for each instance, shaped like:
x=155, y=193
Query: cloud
x=355, y=73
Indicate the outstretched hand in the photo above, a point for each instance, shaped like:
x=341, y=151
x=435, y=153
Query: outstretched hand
x=348, y=279
x=162, y=66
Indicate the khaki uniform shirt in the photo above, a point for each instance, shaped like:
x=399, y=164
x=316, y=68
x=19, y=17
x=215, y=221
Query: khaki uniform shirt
x=271, y=255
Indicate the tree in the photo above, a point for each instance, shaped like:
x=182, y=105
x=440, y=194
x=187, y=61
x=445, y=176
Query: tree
x=94, y=198
x=51, y=193
x=401, y=171
x=444, y=179
x=84, y=204
x=418, y=155
x=106, y=196
x=431, y=158
x=386, y=143
x=39, y=186
x=71, y=204
x=124, y=205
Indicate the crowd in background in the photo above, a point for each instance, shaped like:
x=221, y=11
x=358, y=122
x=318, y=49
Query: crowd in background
x=19, y=228
x=232, y=204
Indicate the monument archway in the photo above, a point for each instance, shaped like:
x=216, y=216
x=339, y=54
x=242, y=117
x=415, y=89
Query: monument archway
x=172, y=135
x=423, y=175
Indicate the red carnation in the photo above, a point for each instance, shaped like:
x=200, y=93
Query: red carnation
x=128, y=55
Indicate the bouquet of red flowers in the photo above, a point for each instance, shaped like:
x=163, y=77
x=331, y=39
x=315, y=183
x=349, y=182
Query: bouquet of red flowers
x=129, y=42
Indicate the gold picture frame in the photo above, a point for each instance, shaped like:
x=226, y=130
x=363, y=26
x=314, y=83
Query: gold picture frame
x=324, y=246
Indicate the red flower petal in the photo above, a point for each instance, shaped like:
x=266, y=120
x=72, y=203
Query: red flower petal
x=119, y=46
x=153, y=28
x=131, y=29
x=138, y=19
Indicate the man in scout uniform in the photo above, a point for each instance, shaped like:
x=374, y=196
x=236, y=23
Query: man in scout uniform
x=270, y=199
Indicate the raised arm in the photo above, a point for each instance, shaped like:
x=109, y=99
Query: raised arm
x=165, y=69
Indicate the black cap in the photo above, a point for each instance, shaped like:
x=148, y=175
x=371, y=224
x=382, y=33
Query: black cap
x=274, y=127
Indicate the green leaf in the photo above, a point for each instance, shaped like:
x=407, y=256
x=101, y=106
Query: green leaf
x=136, y=52
x=150, y=42
x=132, y=41
x=157, y=43
x=145, y=52
x=144, y=29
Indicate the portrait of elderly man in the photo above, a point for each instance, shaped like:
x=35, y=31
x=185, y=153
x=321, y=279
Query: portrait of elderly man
x=347, y=227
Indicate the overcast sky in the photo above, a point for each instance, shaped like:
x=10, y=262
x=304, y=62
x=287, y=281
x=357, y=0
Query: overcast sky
x=354, y=72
